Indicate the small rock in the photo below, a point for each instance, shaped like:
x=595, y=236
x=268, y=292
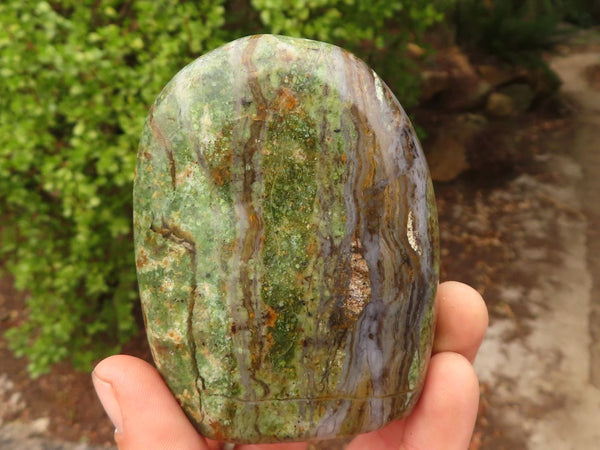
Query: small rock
x=433, y=82
x=455, y=61
x=465, y=90
x=447, y=159
x=521, y=95
x=500, y=105
x=497, y=75
x=32, y=436
x=12, y=402
x=415, y=51
x=39, y=426
x=447, y=154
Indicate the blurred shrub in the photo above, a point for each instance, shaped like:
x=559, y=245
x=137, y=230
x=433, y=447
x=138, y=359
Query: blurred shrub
x=515, y=30
x=77, y=78
x=583, y=13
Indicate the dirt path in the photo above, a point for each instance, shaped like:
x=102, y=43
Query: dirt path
x=580, y=72
x=541, y=358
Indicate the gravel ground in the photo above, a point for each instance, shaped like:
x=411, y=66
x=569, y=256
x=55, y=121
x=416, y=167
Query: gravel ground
x=542, y=363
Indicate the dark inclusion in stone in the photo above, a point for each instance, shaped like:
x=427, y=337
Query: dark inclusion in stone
x=286, y=243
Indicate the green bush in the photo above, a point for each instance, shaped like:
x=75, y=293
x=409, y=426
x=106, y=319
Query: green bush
x=77, y=78
x=515, y=30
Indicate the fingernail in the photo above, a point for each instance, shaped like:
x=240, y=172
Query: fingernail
x=107, y=397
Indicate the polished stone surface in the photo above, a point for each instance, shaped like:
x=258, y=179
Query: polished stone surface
x=286, y=243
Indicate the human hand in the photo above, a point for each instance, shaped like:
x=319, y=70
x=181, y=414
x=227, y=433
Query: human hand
x=147, y=416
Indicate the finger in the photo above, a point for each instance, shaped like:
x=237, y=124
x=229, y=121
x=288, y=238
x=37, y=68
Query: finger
x=444, y=416
x=462, y=320
x=140, y=405
x=290, y=446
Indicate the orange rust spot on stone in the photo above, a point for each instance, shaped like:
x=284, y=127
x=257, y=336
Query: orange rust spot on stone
x=219, y=434
x=270, y=316
x=268, y=342
x=312, y=248
x=176, y=337
x=253, y=219
x=221, y=175
x=185, y=173
x=228, y=249
x=286, y=100
x=142, y=260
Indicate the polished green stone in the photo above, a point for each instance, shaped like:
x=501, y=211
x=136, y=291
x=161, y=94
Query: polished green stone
x=286, y=243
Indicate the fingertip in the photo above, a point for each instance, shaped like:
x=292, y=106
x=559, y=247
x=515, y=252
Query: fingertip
x=107, y=396
x=462, y=320
x=454, y=380
x=117, y=368
x=445, y=415
x=150, y=417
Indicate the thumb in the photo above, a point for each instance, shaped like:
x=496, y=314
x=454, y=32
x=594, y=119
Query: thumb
x=141, y=407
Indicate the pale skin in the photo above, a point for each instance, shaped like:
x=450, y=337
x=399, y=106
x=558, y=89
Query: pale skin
x=147, y=416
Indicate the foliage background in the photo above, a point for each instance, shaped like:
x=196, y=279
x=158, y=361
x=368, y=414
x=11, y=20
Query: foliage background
x=76, y=81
